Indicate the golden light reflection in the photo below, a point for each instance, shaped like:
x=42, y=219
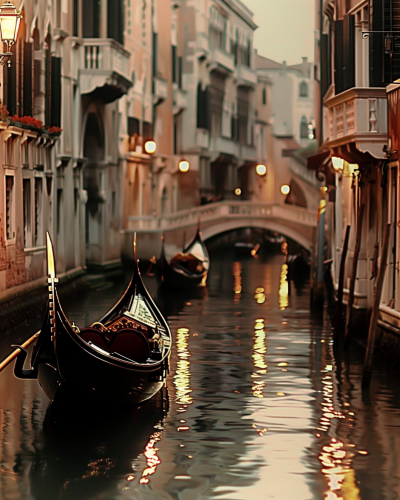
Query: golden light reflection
x=259, y=295
x=182, y=373
x=335, y=456
x=259, y=351
x=237, y=280
x=152, y=459
x=283, y=288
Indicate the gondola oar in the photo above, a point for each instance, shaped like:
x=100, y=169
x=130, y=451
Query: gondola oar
x=14, y=354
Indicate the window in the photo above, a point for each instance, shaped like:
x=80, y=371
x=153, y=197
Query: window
x=10, y=228
x=38, y=210
x=26, y=193
x=75, y=18
x=303, y=128
x=264, y=95
x=303, y=91
x=174, y=64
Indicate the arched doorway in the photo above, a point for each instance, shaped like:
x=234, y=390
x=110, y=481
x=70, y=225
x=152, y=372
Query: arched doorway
x=93, y=183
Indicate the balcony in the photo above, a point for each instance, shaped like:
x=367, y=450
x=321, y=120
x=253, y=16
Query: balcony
x=160, y=90
x=246, y=77
x=179, y=99
x=202, y=44
x=104, y=70
x=225, y=146
x=247, y=152
x=221, y=61
x=357, y=119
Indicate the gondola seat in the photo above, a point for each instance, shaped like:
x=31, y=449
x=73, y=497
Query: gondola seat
x=128, y=343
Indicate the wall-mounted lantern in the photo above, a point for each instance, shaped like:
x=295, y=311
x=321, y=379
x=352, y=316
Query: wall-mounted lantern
x=150, y=146
x=337, y=164
x=238, y=191
x=183, y=165
x=261, y=170
x=285, y=189
x=10, y=19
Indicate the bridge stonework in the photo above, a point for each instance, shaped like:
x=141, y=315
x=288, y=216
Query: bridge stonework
x=293, y=222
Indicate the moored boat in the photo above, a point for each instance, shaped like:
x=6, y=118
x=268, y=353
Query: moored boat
x=123, y=357
x=188, y=268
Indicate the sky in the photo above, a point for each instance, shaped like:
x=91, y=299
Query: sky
x=285, y=29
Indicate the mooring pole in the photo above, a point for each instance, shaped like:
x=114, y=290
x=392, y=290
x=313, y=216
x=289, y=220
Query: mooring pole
x=369, y=354
x=319, y=288
x=353, y=275
x=339, y=300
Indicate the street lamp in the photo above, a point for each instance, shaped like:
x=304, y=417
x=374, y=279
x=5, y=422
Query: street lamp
x=285, y=189
x=337, y=164
x=10, y=19
x=261, y=170
x=150, y=147
x=183, y=166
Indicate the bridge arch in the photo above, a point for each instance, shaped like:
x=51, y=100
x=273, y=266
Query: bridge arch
x=223, y=227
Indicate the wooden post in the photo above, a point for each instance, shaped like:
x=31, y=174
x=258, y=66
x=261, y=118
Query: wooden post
x=369, y=354
x=353, y=276
x=339, y=300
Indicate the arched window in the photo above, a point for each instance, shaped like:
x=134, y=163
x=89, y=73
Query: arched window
x=303, y=128
x=303, y=90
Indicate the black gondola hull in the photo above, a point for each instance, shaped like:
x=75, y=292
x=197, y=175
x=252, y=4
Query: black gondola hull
x=107, y=378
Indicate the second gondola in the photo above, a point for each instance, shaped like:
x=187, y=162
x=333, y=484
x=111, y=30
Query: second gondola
x=188, y=268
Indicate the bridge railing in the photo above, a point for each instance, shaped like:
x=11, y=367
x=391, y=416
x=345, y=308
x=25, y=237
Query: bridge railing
x=223, y=210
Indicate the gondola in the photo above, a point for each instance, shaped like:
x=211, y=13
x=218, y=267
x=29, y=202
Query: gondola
x=122, y=358
x=186, y=269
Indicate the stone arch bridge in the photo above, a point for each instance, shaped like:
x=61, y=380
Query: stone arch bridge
x=293, y=222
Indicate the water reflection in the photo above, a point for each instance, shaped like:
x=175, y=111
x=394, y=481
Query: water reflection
x=259, y=351
x=86, y=457
x=261, y=407
x=182, y=371
x=284, y=288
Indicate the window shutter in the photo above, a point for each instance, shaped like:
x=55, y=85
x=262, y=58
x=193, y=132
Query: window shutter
x=75, y=27
x=27, y=79
x=174, y=60
x=47, y=109
x=339, y=80
x=180, y=70
x=55, y=115
x=11, y=89
x=349, y=51
x=376, y=45
x=325, y=64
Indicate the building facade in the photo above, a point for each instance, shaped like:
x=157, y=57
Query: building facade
x=356, y=80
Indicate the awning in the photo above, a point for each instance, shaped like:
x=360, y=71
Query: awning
x=315, y=162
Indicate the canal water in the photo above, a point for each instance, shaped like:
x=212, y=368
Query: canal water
x=257, y=406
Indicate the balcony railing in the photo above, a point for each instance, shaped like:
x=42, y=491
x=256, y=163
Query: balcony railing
x=358, y=115
x=221, y=60
x=160, y=90
x=246, y=76
x=104, y=65
x=179, y=99
x=223, y=210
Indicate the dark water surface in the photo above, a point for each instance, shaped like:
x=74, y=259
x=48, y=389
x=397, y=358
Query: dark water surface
x=256, y=407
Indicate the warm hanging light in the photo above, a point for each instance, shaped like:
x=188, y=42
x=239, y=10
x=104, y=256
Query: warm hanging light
x=10, y=19
x=238, y=191
x=183, y=166
x=261, y=170
x=337, y=163
x=285, y=189
x=150, y=146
